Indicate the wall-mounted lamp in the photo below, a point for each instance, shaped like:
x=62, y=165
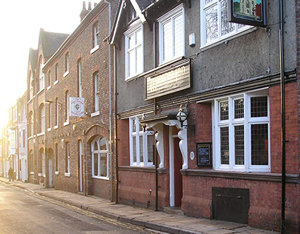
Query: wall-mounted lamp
x=181, y=116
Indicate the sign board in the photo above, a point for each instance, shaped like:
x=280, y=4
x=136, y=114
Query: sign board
x=249, y=12
x=203, y=151
x=168, y=80
x=76, y=107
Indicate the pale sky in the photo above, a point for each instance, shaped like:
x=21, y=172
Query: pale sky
x=20, y=23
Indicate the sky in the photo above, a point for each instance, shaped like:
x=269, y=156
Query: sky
x=20, y=23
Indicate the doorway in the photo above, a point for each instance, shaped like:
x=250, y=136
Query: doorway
x=175, y=161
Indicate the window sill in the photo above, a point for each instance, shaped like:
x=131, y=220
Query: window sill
x=94, y=49
x=41, y=134
x=66, y=123
x=44, y=175
x=40, y=174
x=95, y=114
x=40, y=91
x=55, y=127
x=226, y=39
x=56, y=172
x=100, y=177
x=66, y=73
x=31, y=173
x=49, y=87
x=31, y=137
x=55, y=82
x=67, y=174
x=49, y=129
x=173, y=60
x=136, y=76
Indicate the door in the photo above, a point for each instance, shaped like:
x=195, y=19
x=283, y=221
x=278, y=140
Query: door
x=50, y=173
x=175, y=160
x=80, y=168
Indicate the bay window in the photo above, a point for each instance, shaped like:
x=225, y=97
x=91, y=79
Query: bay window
x=242, y=132
x=214, y=22
x=171, y=35
x=141, y=144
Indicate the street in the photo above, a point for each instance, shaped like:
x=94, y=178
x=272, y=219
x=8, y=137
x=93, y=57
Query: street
x=23, y=212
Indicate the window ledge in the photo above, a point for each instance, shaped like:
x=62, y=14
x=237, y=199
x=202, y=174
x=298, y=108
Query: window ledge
x=31, y=137
x=49, y=129
x=55, y=82
x=55, y=127
x=226, y=39
x=40, y=91
x=41, y=134
x=31, y=173
x=173, y=60
x=40, y=174
x=56, y=172
x=95, y=113
x=66, y=123
x=255, y=176
x=149, y=169
x=94, y=49
x=67, y=174
x=66, y=73
x=49, y=87
x=44, y=175
x=100, y=177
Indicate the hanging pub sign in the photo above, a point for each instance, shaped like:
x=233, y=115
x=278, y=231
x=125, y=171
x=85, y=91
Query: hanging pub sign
x=249, y=12
x=77, y=107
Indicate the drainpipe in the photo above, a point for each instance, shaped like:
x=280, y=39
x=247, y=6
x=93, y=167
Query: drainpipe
x=115, y=125
x=110, y=104
x=282, y=81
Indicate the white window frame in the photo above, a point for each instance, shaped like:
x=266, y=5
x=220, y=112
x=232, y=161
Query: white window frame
x=135, y=27
x=79, y=78
x=67, y=158
x=67, y=105
x=98, y=155
x=31, y=86
x=138, y=135
x=41, y=76
x=96, y=93
x=220, y=39
x=43, y=119
x=67, y=64
x=247, y=121
x=95, y=35
x=171, y=16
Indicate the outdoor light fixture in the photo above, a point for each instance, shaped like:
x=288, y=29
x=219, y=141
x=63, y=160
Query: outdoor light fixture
x=181, y=116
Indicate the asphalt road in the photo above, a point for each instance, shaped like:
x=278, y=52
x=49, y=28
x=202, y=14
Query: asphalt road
x=23, y=212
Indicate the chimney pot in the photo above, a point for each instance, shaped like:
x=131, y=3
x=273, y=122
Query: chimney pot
x=90, y=6
x=95, y=4
x=83, y=5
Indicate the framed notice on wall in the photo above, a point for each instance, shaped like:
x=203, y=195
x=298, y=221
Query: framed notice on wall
x=203, y=151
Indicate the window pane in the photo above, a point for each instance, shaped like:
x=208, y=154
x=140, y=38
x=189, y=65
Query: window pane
x=102, y=144
x=259, y=144
x=95, y=164
x=211, y=18
x=226, y=26
x=103, y=165
x=239, y=144
x=131, y=58
x=139, y=59
x=141, y=149
x=224, y=110
x=239, y=108
x=133, y=125
x=139, y=37
x=150, y=141
x=178, y=43
x=259, y=106
x=224, y=132
x=167, y=40
x=134, y=148
x=131, y=41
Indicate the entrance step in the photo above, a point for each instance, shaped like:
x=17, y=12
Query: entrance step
x=173, y=210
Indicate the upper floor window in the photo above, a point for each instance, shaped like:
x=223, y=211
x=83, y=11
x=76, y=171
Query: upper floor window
x=171, y=35
x=214, y=22
x=67, y=65
x=30, y=123
x=49, y=79
x=95, y=35
x=49, y=115
x=67, y=106
x=242, y=132
x=56, y=72
x=96, y=93
x=79, y=78
x=141, y=144
x=31, y=86
x=41, y=75
x=56, y=111
x=99, y=149
x=42, y=116
x=134, y=58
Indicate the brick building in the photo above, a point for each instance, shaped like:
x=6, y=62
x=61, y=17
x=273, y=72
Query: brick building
x=74, y=153
x=224, y=161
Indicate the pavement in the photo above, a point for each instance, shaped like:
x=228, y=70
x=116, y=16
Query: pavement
x=150, y=219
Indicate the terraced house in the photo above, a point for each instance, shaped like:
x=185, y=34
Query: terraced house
x=206, y=93
x=70, y=149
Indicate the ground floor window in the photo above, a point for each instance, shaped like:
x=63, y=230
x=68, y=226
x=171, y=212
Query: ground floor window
x=241, y=132
x=67, y=159
x=99, y=149
x=141, y=143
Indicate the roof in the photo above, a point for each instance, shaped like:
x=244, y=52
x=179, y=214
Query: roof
x=51, y=41
x=32, y=58
x=143, y=4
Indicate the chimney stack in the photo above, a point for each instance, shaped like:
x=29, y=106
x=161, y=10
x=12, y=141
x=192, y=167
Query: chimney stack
x=84, y=11
x=90, y=6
